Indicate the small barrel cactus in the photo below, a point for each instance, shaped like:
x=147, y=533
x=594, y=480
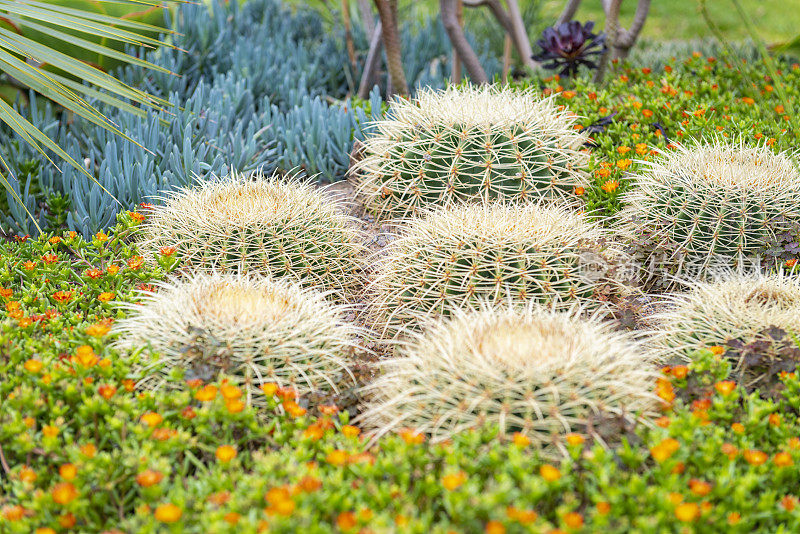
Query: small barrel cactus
x=539, y=372
x=738, y=307
x=255, y=329
x=456, y=256
x=272, y=226
x=470, y=143
x=710, y=206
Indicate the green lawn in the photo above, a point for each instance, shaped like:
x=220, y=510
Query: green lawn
x=776, y=20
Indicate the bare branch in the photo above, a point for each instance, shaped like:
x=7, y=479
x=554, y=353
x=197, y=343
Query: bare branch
x=370, y=74
x=387, y=10
x=365, y=12
x=627, y=38
x=569, y=12
x=520, y=35
x=449, y=13
x=497, y=10
x=612, y=28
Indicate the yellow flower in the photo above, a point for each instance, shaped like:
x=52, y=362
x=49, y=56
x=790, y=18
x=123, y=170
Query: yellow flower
x=574, y=439
x=411, y=437
x=623, y=149
x=624, y=163
x=226, y=453
x=269, y=389
x=50, y=431
x=105, y=296
x=725, y=387
x=337, y=457
x=168, y=513
x=101, y=237
x=350, y=431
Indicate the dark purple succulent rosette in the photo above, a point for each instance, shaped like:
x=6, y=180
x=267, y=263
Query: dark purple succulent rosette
x=569, y=46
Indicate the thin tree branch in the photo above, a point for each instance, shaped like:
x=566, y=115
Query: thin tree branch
x=365, y=12
x=627, y=38
x=387, y=10
x=612, y=28
x=497, y=10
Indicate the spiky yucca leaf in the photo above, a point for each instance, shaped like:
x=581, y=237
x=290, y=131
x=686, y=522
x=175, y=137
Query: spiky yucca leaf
x=256, y=329
x=470, y=143
x=712, y=205
x=737, y=307
x=276, y=226
x=529, y=370
x=457, y=256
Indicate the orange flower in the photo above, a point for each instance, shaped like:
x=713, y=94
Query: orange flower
x=135, y=263
x=623, y=149
x=112, y=269
x=293, y=409
x=734, y=518
x=729, y=450
x=663, y=422
x=603, y=508
x=206, y=393
x=85, y=356
x=167, y=251
x=666, y=448
x=309, y=484
x=454, y=481
x=50, y=431
x=225, y=453
x=725, y=387
x=680, y=371
x=328, y=410
x=579, y=191
x=98, y=330
x=568, y=94
x=64, y=493
x=49, y=258
x=411, y=437
x=62, y=296
x=68, y=471
x=646, y=113
x=549, y=473
x=699, y=487
x=783, y=459
x=738, y=428
x=234, y=406
x=521, y=440
x=168, y=513
x=33, y=366
x=105, y=296
x=755, y=457
x=337, y=457
x=230, y=392
x=609, y=186
x=687, y=512
x=774, y=419
x=789, y=503
x=522, y=516
x=152, y=419
x=574, y=439
x=747, y=100
x=101, y=237
x=350, y=431
x=573, y=520
x=27, y=475
x=149, y=478
x=107, y=391
x=495, y=527
x=163, y=434
x=346, y=520
x=269, y=389
x=13, y=513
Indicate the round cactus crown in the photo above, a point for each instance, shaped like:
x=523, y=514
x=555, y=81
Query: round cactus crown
x=713, y=204
x=739, y=306
x=255, y=329
x=472, y=143
x=275, y=226
x=454, y=257
x=526, y=369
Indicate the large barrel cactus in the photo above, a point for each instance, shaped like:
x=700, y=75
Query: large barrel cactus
x=455, y=257
x=273, y=226
x=736, y=307
x=470, y=143
x=254, y=329
x=711, y=206
x=528, y=370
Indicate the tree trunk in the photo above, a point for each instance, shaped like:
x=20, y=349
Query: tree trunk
x=627, y=38
x=387, y=11
x=568, y=13
x=612, y=28
x=455, y=74
x=459, y=42
x=365, y=11
x=348, y=34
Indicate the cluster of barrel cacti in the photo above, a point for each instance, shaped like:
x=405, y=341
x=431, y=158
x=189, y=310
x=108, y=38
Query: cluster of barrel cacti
x=494, y=288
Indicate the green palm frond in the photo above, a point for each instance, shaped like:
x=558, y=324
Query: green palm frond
x=45, y=61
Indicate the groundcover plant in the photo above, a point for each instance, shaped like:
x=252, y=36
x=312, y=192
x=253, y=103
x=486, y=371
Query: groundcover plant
x=576, y=313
